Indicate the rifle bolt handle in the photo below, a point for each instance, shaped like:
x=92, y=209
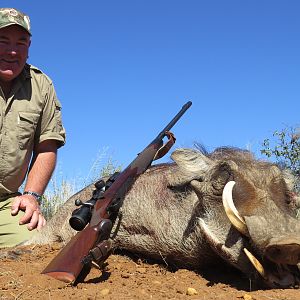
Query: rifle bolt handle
x=78, y=202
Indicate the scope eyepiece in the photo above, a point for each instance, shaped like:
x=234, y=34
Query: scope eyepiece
x=81, y=216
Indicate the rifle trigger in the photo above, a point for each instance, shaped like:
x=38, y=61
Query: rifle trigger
x=101, y=251
x=114, y=206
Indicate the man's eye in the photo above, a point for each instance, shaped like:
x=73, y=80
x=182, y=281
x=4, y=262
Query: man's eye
x=22, y=44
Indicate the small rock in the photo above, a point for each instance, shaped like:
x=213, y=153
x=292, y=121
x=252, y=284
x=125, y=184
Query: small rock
x=247, y=297
x=104, y=292
x=143, y=292
x=141, y=270
x=191, y=291
x=55, y=247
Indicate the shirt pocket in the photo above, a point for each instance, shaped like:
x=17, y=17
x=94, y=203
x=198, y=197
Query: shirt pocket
x=27, y=122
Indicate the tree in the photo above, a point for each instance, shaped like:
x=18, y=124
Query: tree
x=285, y=148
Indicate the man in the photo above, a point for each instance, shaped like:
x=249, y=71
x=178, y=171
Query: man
x=31, y=131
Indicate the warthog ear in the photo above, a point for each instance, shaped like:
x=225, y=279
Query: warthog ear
x=192, y=165
x=191, y=161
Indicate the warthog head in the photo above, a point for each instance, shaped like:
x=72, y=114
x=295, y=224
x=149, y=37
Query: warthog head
x=246, y=212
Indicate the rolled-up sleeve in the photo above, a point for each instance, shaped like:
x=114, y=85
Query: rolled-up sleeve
x=50, y=126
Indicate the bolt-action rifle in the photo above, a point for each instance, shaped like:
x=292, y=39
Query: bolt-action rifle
x=93, y=243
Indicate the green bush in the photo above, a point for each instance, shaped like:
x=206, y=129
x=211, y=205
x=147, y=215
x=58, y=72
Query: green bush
x=284, y=147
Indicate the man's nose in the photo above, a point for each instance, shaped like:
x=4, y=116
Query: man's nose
x=12, y=50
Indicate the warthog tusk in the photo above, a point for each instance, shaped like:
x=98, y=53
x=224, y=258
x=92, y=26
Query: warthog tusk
x=256, y=264
x=236, y=220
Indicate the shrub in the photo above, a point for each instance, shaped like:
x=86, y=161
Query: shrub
x=285, y=149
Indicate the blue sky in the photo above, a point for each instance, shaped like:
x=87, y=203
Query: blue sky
x=123, y=69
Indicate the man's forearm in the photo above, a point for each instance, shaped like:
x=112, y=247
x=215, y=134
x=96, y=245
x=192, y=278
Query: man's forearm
x=42, y=167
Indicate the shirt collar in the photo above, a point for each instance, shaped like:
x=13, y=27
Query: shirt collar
x=26, y=72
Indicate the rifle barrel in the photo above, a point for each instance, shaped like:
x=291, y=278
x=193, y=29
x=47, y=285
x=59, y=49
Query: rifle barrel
x=184, y=108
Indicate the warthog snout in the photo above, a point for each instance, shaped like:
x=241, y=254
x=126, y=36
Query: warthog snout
x=285, y=250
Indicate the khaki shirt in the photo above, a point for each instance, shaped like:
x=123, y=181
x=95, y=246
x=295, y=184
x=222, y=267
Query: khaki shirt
x=28, y=117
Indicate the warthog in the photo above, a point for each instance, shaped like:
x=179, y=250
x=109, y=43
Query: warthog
x=202, y=208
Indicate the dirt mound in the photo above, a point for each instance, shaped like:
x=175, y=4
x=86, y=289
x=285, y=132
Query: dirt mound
x=123, y=278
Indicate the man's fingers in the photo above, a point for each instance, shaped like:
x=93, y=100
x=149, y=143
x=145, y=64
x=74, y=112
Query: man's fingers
x=41, y=222
x=32, y=215
x=15, y=206
x=37, y=221
x=27, y=216
x=34, y=220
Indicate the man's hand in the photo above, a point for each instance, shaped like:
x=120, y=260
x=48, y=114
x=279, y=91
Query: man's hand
x=33, y=216
x=40, y=171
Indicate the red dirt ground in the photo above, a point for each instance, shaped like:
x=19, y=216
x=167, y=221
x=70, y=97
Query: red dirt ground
x=123, y=278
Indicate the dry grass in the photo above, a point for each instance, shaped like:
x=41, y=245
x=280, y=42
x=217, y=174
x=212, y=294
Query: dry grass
x=61, y=189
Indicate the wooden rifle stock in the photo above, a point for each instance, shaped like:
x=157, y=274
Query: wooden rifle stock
x=93, y=242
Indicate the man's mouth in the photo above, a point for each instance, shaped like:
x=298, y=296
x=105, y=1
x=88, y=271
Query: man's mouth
x=10, y=61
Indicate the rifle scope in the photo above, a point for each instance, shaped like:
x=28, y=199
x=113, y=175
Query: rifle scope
x=82, y=215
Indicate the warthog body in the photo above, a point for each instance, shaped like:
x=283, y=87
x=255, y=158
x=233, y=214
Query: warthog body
x=175, y=213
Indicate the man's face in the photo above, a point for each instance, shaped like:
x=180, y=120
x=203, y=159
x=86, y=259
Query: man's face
x=14, y=45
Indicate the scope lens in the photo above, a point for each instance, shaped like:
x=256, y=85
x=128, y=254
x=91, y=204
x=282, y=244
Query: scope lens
x=77, y=222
